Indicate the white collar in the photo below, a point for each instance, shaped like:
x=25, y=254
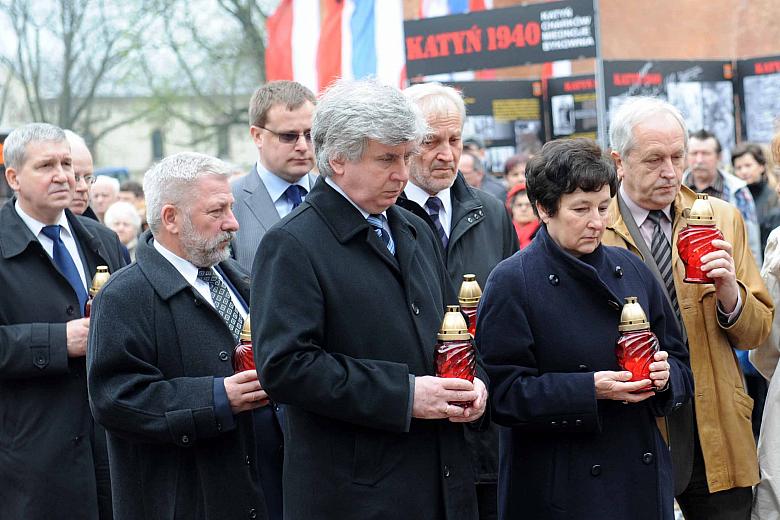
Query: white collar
x=36, y=226
x=420, y=196
x=275, y=185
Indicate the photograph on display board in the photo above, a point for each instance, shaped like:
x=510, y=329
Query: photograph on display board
x=571, y=105
x=759, y=88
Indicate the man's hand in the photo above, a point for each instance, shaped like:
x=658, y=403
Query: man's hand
x=477, y=407
x=244, y=391
x=76, y=337
x=660, y=370
x=433, y=395
x=615, y=386
x=719, y=265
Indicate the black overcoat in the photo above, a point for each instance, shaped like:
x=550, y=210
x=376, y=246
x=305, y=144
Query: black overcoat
x=547, y=322
x=50, y=449
x=155, y=348
x=339, y=325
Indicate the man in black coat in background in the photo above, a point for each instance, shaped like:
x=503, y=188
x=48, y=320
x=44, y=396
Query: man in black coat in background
x=159, y=366
x=348, y=293
x=475, y=234
x=53, y=459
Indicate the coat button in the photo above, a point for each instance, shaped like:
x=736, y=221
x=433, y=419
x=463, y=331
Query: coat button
x=595, y=470
x=276, y=407
x=69, y=310
x=446, y=471
x=578, y=422
x=647, y=458
x=583, y=368
x=564, y=423
x=553, y=279
x=77, y=439
x=219, y=426
x=470, y=219
x=253, y=513
x=185, y=439
x=415, y=309
x=248, y=461
x=224, y=356
x=618, y=271
x=615, y=305
x=197, y=302
x=554, y=424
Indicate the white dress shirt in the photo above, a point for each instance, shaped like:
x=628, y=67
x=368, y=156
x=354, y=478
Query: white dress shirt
x=276, y=187
x=420, y=196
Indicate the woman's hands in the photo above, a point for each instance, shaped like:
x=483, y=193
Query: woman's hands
x=616, y=386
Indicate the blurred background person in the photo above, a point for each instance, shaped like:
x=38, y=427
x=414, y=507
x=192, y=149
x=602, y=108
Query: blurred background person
x=83, y=168
x=122, y=218
x=750, y=165
x=514, y=170
x=523, y=216
x=474, y=172
x=104, y=192
x=577, y=430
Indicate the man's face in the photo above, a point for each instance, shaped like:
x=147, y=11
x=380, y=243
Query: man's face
x=128, y=196
x=45, y=182
x=83, y=169
x=102, y=196
x=375, y=181
x=208, y=224
x=703, y=159
x=652, y=170
x=290, y=161
x=472, y=175
x=434, y=169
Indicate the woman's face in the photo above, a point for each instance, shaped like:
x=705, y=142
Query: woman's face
x=522, y=211
x=516, y=175
x=748, y=169
x=580, y=221
x=124, y=229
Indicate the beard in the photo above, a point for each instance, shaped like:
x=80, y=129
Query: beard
x=204, y=251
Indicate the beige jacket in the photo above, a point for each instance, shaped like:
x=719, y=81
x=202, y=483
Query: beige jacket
x=723, y=407
x=765, y=359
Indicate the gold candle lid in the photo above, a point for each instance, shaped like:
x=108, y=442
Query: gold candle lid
x=453, y=327
x=470, y=291
x=98, y=281
x=246, y=330
x=633, y=317
x=701, y=212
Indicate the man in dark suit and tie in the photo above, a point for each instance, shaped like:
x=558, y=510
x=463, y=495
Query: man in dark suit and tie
x=53, y=459
x=280, y=115
x=159, y=366
x=348, y=294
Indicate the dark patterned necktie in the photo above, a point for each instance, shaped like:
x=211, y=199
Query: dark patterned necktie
x=65, y=263
x=220, y=295
x=434, y=205
x=295, y=194
x=377, y=223
x=662, y=254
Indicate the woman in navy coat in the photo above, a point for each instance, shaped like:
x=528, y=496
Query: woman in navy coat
x=582, y=442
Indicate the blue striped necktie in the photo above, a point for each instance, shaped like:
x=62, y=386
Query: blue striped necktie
x=377, y=223
x=65, y=263
x=434, y=206
x=295, y=194
x=662, y=254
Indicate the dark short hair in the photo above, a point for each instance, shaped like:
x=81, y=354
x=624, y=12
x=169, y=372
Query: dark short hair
x=703, y=135
x=514, y=160
x=291, y=94
x=748, y=148
x=133, y=187
x=563, y=166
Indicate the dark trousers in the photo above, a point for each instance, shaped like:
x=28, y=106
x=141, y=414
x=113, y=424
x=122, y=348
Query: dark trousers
x=487, y=500
x=697, y=503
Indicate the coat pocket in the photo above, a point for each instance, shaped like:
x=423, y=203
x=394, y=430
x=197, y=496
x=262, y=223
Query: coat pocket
x=743, y=403
x=376, y=454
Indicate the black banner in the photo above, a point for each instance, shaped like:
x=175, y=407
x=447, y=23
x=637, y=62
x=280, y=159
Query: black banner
x=495, y=38
x=571, y=104
x=702, y=90
x=759, y=97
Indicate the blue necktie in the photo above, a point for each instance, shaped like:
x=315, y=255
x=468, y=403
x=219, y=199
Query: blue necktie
x=434, y=205
x=65, y=263
x=377, y=223
x=295, y=194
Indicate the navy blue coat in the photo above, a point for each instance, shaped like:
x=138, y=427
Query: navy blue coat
x=547, y=322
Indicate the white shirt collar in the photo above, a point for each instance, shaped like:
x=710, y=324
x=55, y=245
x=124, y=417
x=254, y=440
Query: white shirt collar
x=420, y=196
x=186, y=268
x=275, y=185
x=35, y=226
x=338, y=189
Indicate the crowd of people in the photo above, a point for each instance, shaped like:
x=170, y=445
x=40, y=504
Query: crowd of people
x=342, y=247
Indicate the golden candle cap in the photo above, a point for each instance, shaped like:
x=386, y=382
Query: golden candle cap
x=453, y=326
x=633, y=317
x=470, y=291
x=98, y=281
x=246, y=330
x=701, y=212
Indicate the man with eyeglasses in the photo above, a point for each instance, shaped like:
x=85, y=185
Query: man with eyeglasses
x=83, y=170
x=280, y=115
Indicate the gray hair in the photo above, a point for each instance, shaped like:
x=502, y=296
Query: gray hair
x=170, y=181
x=435, y=99
x=122, y=209
x=73, y=137
x=634, y=111
x=15, y=146
x=352, y=112
x=108, y=181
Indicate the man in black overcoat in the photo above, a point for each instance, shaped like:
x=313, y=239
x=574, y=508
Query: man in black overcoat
x=53, y=457
x=348, y=294
x=160, y=376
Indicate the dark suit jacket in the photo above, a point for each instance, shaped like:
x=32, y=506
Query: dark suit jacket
x=50, y=449
x=155, y=348
x=255, y=212
x=343, y=324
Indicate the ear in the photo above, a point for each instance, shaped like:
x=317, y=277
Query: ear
x=11, y=179
x=337, y=165
x=257, y=135
x=618, y=163
x=171, y=221
x=543, y=216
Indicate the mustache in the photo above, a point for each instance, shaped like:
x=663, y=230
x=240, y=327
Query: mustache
x=60, y=186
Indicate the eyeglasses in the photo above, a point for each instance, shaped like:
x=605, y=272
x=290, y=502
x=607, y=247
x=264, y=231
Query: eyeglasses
x=290, y=137
x=88, y=179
